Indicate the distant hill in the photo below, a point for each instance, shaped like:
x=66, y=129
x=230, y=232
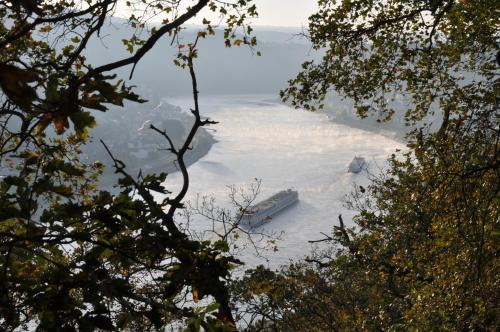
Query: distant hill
x=219, y=70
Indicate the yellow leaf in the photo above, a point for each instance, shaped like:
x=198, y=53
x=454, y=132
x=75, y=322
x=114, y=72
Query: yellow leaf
x=45, y=28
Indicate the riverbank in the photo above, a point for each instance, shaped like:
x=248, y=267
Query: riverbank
x=131, y=140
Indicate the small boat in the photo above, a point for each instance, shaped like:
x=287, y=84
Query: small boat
x=260, y=213
x=356, y=165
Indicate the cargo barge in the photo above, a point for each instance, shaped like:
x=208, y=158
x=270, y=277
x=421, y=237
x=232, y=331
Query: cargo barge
x=260, y=213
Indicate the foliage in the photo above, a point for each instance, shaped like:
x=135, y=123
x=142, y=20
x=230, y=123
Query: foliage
x=423, y=255
x=433, y=52
x=74, y=257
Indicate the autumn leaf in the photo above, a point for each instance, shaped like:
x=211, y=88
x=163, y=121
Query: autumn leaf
x=195, y=295
x=61, y=123
x=44, y=122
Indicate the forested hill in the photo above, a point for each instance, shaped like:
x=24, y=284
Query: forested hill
x=220, y=70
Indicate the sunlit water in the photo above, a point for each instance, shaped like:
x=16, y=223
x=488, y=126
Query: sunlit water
x=285, y=148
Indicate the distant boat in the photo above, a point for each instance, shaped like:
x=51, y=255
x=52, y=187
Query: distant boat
x=260, y=213
x=356, y=165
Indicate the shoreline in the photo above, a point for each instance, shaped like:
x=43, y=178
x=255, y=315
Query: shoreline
x=205, y=140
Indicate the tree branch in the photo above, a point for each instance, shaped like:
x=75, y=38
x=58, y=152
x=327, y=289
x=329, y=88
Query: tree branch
x=191, y=12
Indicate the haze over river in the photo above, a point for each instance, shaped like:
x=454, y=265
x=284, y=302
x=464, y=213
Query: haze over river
x=260, y=138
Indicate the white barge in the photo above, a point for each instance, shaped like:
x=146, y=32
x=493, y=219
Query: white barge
x=356, y=165
x=260, y=213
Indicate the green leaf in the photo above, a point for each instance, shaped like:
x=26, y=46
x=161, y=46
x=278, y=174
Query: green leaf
x=51, y=93
x=82, y=121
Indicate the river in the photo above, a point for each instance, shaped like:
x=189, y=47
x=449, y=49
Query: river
x=258, y=137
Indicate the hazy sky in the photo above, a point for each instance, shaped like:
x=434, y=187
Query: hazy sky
x=284, y=12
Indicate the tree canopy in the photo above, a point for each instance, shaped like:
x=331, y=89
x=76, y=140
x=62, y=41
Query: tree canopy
x=423, y=255
x=437, y=54
x=73, y=256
